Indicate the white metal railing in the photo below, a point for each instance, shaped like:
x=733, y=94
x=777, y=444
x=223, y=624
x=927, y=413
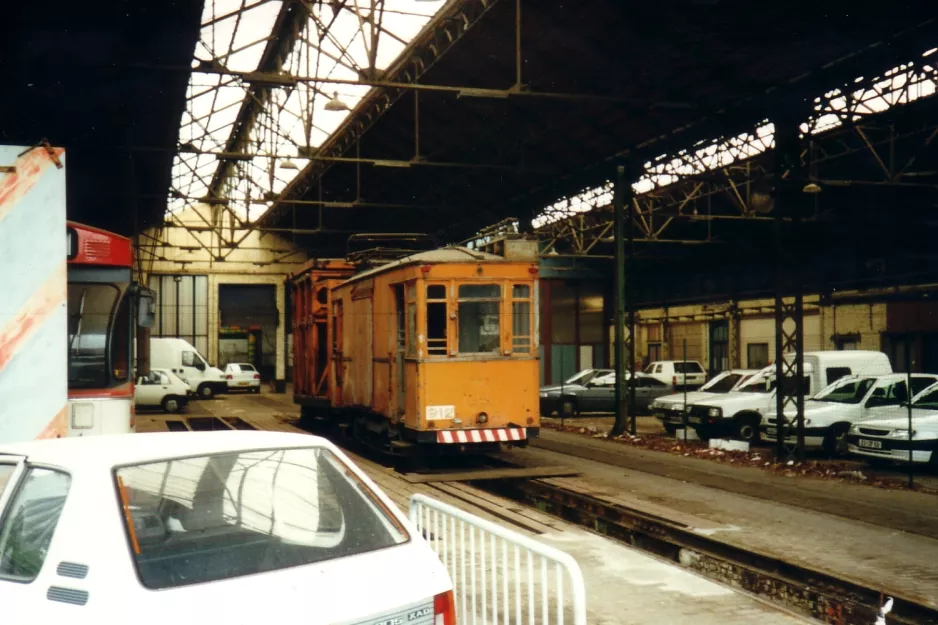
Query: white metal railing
x=500, y=576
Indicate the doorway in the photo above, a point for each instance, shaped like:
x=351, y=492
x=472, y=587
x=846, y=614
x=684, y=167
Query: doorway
x=719, y=346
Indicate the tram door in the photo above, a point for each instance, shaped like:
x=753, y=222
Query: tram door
x=400, y=346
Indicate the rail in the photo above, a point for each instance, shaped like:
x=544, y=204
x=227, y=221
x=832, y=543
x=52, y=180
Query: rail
x=483, y=582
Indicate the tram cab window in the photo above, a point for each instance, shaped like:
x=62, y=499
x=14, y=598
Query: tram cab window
x=411, y=321
x=479, y=318
x=436, y=319
x=521, y=319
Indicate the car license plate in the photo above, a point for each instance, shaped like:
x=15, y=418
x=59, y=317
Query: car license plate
x=871, y=444
x=243, y=383
x=771, y=431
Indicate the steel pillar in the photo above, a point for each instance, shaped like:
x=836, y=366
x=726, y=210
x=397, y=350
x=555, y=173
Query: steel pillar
x=789, y=304
x=619, y=319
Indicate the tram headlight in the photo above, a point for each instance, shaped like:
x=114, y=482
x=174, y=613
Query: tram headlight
x=483, y=418
x=82, y=416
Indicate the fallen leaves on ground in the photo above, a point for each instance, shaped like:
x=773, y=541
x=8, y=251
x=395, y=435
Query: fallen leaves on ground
x=761, y=458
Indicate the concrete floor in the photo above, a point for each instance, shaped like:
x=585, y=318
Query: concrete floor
x=624, y=585
x=881, y=538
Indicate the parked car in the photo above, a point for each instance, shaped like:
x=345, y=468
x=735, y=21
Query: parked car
x=740, y=413
x=166, y=523
x=673, y=373
x=598, y=394
x=550, y=395
x=163, y=388
x=243, y=376
x=829, y=414
x=669, y=409
x=886, y=435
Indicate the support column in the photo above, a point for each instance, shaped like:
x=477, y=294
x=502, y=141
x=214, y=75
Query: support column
x=789, y=316
x=281, y=347
x=624, y=346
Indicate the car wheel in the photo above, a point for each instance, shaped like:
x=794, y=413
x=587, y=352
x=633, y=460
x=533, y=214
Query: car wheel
x=747, y=429
x=568, y=407
x=171, y=404
x=671, y=429
x=206, y=392
x=835, y=441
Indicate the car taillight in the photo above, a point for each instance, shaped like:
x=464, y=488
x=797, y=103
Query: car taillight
x=444, y=609
x=257, y=376
x=229, y=377
x=674, y=380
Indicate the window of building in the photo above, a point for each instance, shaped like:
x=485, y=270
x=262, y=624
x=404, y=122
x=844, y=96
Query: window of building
x=757, y=355
x=521, y=319
x=436, y=319
x=29, y=523
x=411, y=321
x=479, y=318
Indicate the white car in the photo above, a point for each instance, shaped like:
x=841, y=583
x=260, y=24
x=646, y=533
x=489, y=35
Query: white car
x=673, y=372
x=242, y=376
x=161, y=388
x=670, y=408
x=829, y=414
x=261, y=526
x=886, y=436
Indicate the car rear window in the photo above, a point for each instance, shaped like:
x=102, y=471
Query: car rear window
x=692, y=367
x=201, y=519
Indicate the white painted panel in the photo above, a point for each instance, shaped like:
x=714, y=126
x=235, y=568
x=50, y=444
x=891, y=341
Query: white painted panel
x=33, y=309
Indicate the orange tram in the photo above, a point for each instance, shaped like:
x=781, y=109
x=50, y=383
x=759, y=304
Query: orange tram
x=433, y=352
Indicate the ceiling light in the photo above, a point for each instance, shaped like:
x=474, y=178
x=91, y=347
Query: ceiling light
x=288, y=164
x=811, y=188
x=384, y=163
x=335, y=104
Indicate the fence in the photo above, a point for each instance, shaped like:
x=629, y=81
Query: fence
x=499, y=575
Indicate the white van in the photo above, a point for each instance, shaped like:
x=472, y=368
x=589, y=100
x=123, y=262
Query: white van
x=740, y=413
x=180, y=357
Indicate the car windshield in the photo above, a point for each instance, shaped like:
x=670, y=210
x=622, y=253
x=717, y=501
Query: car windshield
x=762, y=383
x=846, y=391
x=585, y=376
x=928, y=400
x=220, y=516
x=723, y=383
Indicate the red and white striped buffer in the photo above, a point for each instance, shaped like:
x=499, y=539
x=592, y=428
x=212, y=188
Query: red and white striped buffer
x=500, y=435
x=33, y=300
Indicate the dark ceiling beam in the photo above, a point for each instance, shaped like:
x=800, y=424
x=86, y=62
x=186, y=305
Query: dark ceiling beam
x=444, y=31
x=738, y=116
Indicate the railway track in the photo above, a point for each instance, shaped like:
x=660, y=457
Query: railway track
x=813, y=593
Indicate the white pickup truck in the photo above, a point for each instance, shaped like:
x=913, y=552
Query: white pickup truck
x=670, y=408
x=739, y=414
x=829, y=414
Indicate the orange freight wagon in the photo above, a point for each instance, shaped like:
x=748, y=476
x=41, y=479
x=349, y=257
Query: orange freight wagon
x=435, y=350
x=310, y=291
